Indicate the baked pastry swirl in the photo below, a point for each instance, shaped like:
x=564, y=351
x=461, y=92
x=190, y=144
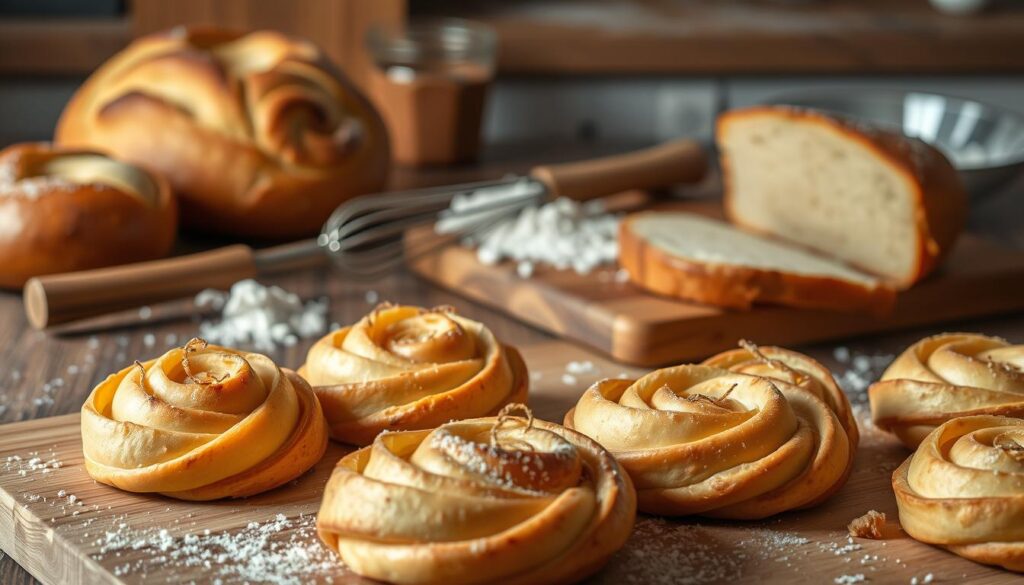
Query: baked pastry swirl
x=794, y=368
x=946, y=376
x=258, y=133
x=488, y=500
x=402, y=368
x=698, y=439
x=963, y=489
x=200, y=423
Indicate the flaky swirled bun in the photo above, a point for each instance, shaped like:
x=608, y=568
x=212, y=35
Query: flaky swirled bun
x=202, y=422
x=486, y=500
x=963, y=489
x=406, y=368
x=257, y=133
x=63, y=210
x=947, y=376
x=760, y=438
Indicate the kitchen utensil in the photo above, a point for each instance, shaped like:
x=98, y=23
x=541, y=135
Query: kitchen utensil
x=984, y=143
x=362, y=237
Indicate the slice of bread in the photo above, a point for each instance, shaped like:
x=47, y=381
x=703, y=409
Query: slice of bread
x=889, y=205
x=692, y=257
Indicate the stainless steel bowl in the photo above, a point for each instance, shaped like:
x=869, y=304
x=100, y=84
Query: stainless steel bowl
x=984, y=143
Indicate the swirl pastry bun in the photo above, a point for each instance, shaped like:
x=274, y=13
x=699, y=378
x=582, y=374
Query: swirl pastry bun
x=64, y=210
x=257, y=133
x=698, y=439
x=946, y=376
x=404, y=368
x=791, y=367
x=963, y=489
x=200, y=423
x=487, y=500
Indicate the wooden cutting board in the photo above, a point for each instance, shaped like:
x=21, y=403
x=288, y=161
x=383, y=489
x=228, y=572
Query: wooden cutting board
x=66, y=529
x=639, y=328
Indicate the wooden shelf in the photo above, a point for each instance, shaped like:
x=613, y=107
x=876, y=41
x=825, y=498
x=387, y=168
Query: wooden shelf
x=59, y=46
x=614, y=37
x=711, y=37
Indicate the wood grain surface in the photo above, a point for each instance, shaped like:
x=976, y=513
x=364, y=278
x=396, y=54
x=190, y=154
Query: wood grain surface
x=634, y=326
x=45, y=375
x=61, y=542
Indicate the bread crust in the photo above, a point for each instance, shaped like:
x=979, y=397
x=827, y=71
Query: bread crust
x=264, y=151
x=739, y=287
x=940, y=197
x=58, y=226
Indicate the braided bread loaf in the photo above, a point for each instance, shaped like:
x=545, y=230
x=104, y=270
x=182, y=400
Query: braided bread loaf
x=258, y=133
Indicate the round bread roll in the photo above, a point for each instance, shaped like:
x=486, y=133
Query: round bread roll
x=698, y=439
x=200, y=423
x=489, y=500
x=63, y=210
x=258, y=134
x=404, y=368
x=963, y=489
x=947, y=376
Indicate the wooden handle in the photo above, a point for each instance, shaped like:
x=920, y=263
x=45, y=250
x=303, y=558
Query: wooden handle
x=62, y=298
x=680, y=161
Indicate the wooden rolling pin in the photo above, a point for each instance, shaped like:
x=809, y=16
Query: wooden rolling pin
x=62, y=298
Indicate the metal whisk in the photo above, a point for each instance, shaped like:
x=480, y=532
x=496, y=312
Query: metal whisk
x=365, y=237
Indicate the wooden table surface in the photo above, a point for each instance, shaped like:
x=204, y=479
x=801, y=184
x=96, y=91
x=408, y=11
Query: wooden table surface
x=45, y=375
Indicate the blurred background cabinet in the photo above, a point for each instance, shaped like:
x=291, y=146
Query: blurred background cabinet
x=624, y=71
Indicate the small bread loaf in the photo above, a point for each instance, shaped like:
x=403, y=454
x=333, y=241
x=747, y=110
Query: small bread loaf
x=700, y=259
x=887, y=204
x=64, y=210
x=258, y=134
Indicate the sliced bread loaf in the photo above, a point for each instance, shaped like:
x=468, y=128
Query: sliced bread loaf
x=692, y=257
x=889, y=205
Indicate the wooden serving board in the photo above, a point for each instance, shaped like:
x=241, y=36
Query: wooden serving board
x=103, y=535
x=636, y=327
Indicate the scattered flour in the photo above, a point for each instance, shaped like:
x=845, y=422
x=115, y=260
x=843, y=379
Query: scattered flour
x=562, y=233
x=281, y=551
x=264, y=317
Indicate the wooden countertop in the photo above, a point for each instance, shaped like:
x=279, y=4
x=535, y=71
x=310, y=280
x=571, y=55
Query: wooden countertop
x=45, y=375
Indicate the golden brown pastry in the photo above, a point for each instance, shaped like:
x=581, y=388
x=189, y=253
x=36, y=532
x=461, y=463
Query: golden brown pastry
x=946, y=376
x=200, y=423
x=488, y=500
x=963, y=489
x=402, y=368
x=795, y=368
x=698, y=439
x=63, y=210
x=258, y=133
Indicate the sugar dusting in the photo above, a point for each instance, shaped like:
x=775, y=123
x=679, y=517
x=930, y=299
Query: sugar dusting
x=264, y=317
x=282, y=551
